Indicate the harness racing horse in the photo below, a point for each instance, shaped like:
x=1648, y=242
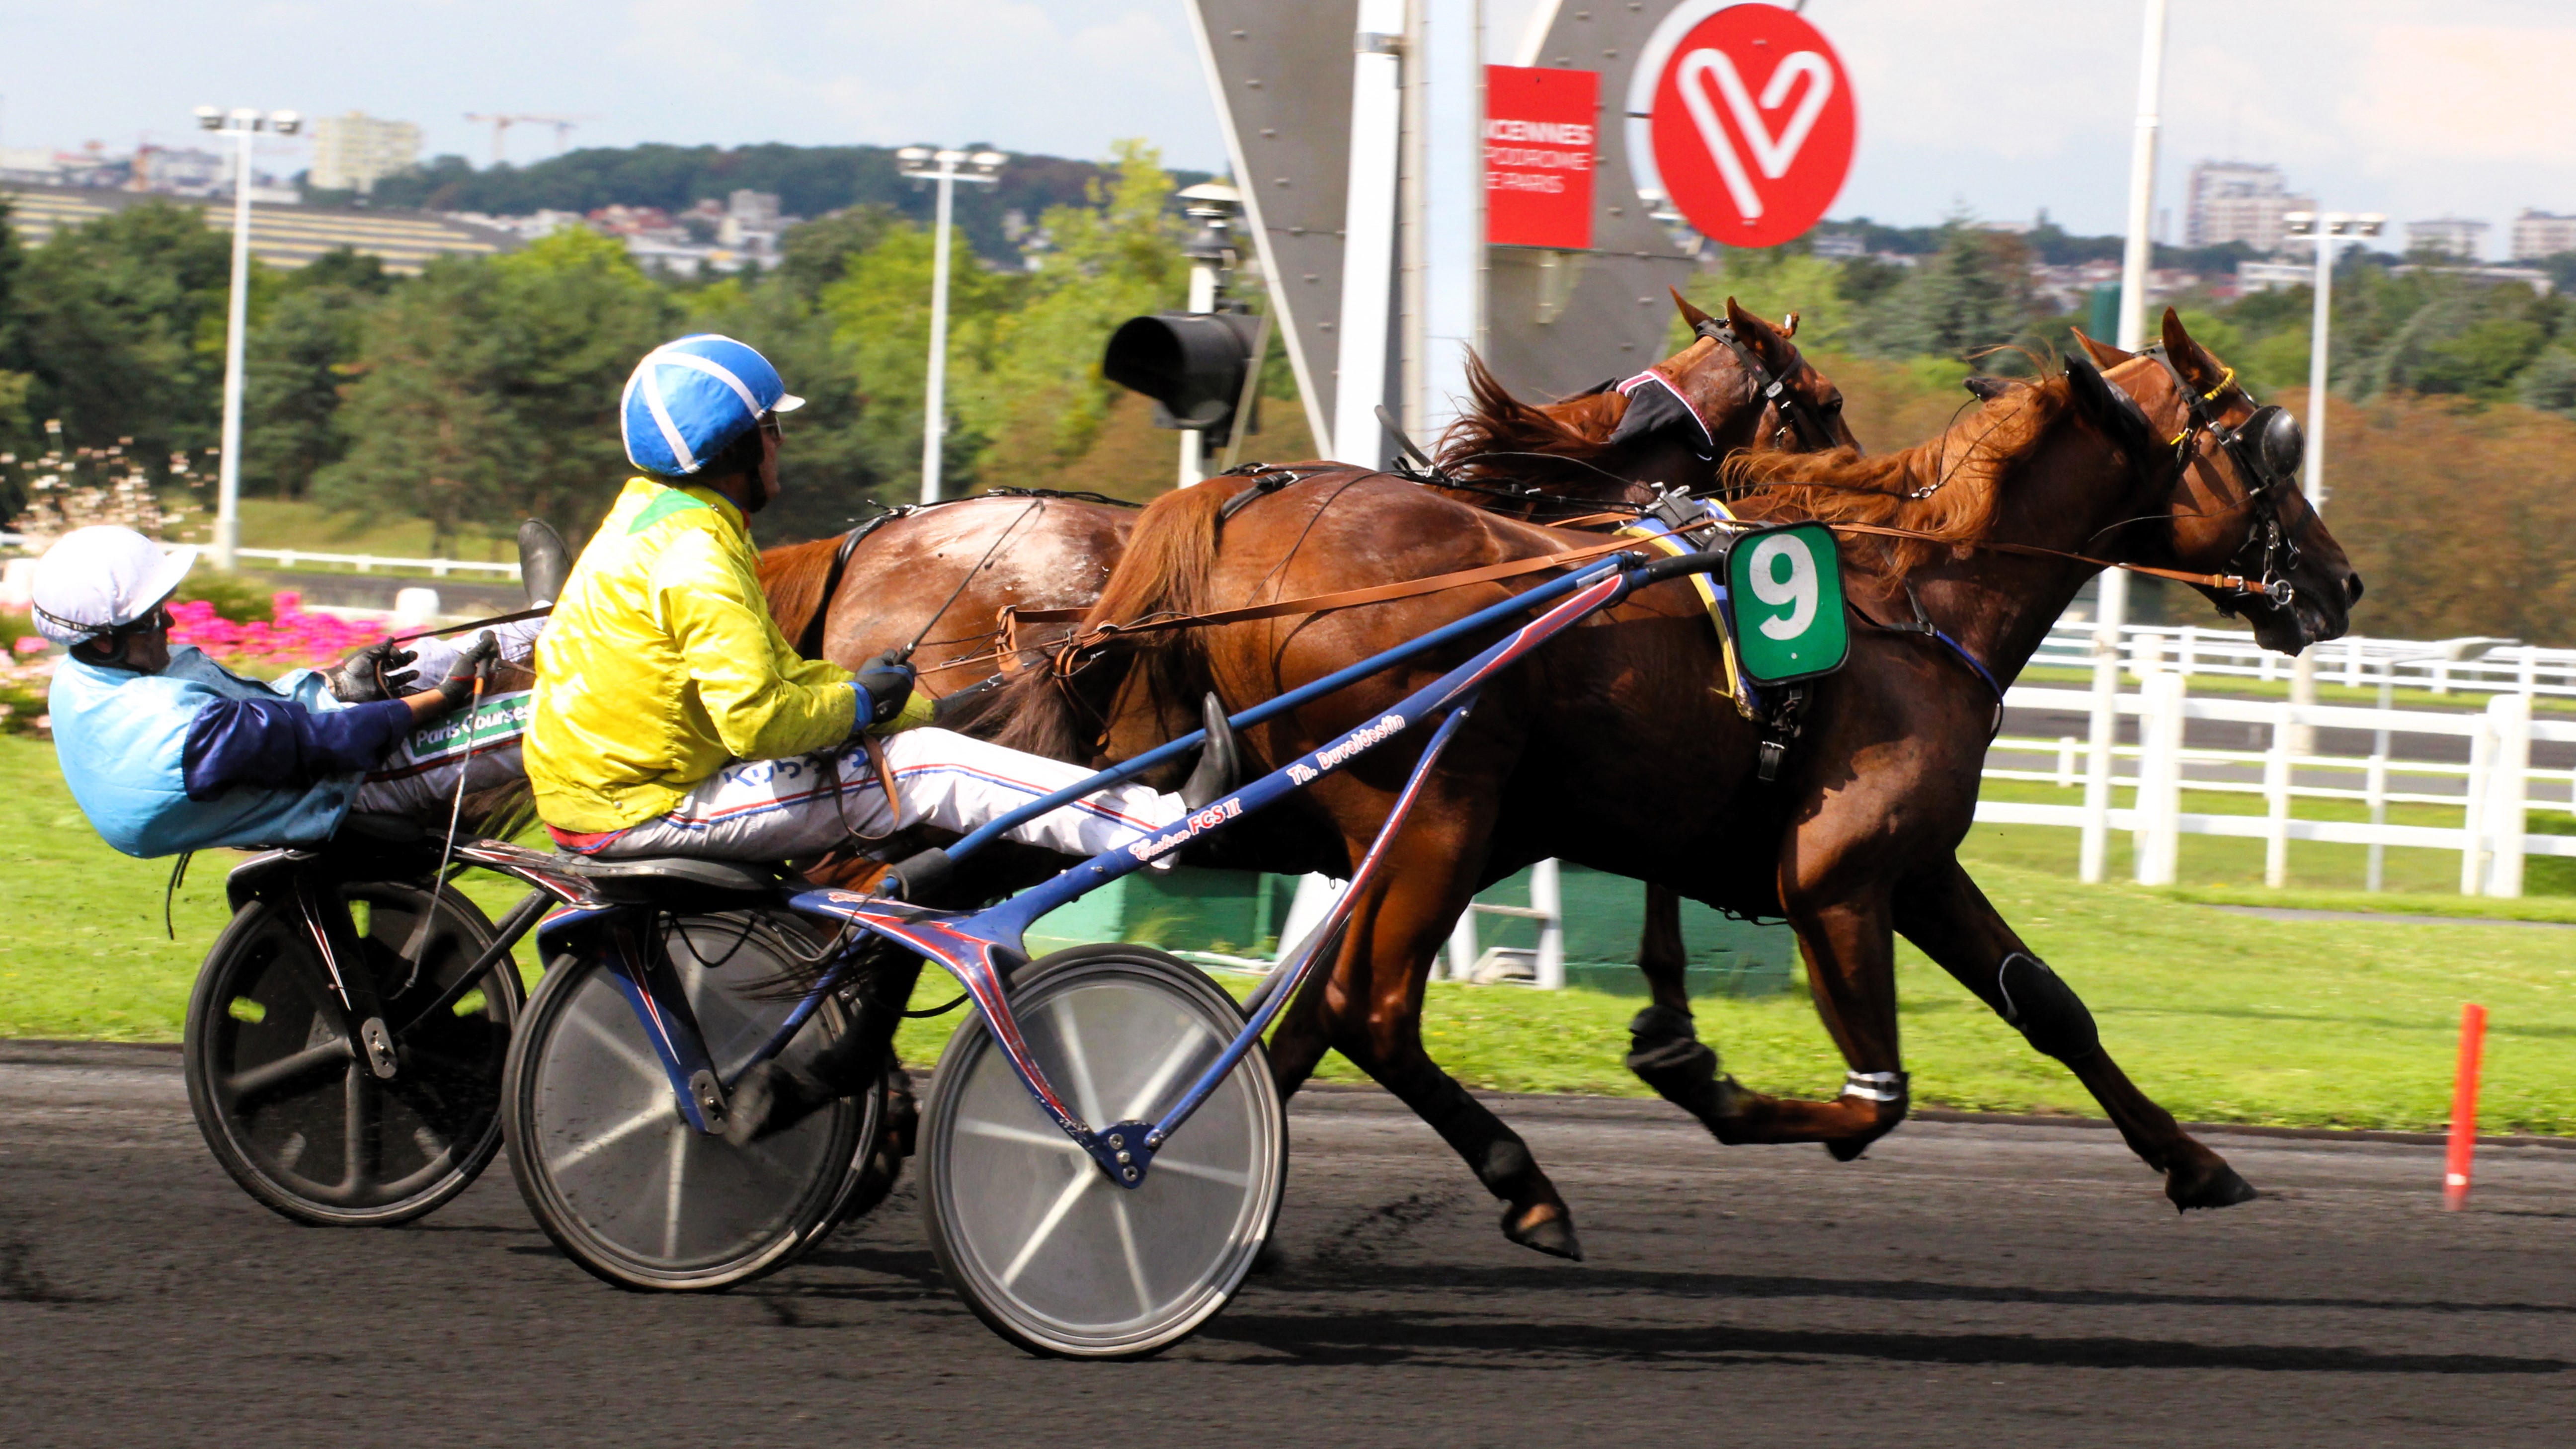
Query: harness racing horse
x=1618, y=747
x=940, y=574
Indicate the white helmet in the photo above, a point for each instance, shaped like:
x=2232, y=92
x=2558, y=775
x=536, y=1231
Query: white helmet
x=98, y=579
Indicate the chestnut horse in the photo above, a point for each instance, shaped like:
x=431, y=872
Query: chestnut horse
x=902, y=580
x=1616, y=746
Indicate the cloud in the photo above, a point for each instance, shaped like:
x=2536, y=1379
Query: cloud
x=2449, y=93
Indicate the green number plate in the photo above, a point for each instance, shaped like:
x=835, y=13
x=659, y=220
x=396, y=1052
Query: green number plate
x=1785, y=587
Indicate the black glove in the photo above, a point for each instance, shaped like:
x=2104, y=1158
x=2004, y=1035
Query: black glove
x=373, y=673
x=473, y=662
x=886, y=684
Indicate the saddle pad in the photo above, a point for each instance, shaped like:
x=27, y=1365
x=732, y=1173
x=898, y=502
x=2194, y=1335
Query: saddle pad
x=496, y=724
x=1678, y=540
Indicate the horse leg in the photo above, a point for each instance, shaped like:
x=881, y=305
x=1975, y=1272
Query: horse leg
x=1664, y=1048
x=1952, y=921
x=1372, y=1008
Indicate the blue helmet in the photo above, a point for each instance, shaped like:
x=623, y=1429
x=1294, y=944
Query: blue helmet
x=688, y=399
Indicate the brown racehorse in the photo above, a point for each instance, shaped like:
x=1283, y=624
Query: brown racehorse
x=1054, y=552
x=1611, y=746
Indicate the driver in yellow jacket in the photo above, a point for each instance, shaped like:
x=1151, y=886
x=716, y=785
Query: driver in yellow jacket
x=673, y=718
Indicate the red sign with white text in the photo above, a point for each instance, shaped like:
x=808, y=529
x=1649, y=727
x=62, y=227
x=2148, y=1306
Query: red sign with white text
x=1753, y=125
x=1542, y=137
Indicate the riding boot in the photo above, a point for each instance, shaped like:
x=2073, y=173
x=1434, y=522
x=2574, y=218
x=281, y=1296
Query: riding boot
x=544, y=561
x=814, y=1071
x=1220, y=759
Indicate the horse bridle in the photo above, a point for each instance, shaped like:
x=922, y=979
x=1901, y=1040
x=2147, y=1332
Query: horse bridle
x=2265, y=448
x=1768, y=386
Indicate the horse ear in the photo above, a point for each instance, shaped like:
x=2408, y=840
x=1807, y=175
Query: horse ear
x=2190, y=356
x=1768, y=342
x=1690, y=314
x=1789, y=325
x=1987, y=389
x=2106, y=406
x=2102, y=353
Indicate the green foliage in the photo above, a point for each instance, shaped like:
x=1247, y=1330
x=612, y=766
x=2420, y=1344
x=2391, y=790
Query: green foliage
x=297, y=359
x=110, y=319
x=487, y=390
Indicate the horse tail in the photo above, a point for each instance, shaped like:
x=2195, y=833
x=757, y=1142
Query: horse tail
x=1163, y=572
x=792, y=575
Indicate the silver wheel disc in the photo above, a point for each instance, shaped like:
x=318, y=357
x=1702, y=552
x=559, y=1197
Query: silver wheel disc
x=1049, y=1250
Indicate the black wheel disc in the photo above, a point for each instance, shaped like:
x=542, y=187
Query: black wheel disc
x=300, y=1122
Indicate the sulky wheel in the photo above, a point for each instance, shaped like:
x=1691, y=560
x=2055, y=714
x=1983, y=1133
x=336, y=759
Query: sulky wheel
x=612, y=1169
x=1051, y=1253
x=295, y=1116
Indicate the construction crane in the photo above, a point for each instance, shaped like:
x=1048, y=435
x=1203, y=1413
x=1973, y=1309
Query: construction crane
x=501, y=129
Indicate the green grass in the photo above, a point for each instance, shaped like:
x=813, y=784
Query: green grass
x=2219, y=1016
x=272, y=523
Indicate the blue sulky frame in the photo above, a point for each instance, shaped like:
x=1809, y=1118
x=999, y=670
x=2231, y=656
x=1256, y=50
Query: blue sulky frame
x=983, y=948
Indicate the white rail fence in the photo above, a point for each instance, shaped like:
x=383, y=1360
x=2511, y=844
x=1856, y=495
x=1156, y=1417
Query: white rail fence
x=2472, y=665
x=437, y=568
x=2495, y=792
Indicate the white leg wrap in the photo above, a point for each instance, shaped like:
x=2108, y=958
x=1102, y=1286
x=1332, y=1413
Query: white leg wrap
x=1875, y=1086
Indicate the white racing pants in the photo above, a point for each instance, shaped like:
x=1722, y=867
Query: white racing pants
x=418, y=778
x=772, y=810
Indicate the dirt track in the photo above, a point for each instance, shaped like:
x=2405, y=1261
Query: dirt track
x=1972, y=1285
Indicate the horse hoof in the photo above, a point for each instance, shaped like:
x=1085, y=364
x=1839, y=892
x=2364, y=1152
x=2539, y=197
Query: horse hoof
x=1849, y=1149
x=2215, y=1186
x=1269, y=1262
x=1553, y=1236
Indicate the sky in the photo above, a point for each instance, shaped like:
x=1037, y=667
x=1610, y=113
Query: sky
x=1995, y=108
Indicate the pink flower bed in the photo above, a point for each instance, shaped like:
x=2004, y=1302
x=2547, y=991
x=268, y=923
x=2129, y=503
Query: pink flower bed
x=294, y=637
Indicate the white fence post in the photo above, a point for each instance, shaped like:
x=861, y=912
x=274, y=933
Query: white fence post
x=2276, y=801
x=2473, y=814
x=2093, y=846
x=2509, y=720
x=1462, y=945
x=1547, y=899
x=2159, y=834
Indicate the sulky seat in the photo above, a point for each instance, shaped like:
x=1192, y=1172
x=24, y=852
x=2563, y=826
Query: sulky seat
x=675, y=881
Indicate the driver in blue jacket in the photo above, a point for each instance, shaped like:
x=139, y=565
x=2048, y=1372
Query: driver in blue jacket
x=168, y=751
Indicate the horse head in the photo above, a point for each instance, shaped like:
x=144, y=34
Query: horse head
x=2221, y=474
x=1747, y=378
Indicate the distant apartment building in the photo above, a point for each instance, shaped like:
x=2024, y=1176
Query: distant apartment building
x=355, y=151
x=2236, y=201
x=2538, y=234
x=2452, y=236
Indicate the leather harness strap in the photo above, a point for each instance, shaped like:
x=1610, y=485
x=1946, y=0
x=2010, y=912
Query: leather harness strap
x=2234, y=582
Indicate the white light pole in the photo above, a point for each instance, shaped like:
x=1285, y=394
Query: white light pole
x=2325, y=230
x=244, y=126
x=947, y=168
x=1212, y=207
x=2111, y=599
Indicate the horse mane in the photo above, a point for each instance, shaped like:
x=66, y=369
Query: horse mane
x=1576, y=430
x=1946, y=489
x=791, y=575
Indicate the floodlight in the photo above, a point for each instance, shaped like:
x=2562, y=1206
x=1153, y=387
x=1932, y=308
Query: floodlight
x=285, y=123
x=209, y=119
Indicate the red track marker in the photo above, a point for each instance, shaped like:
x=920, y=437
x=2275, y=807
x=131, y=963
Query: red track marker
x=2464, y=1108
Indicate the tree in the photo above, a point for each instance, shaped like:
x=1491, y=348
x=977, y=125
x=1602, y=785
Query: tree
x=880, y=316
x=123, y=322
x=299, y=358
x=487, y=390
x=1040, y=389
x=1970, y=296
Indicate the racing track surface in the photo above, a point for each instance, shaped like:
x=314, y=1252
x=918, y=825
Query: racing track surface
x=1963, y=1284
